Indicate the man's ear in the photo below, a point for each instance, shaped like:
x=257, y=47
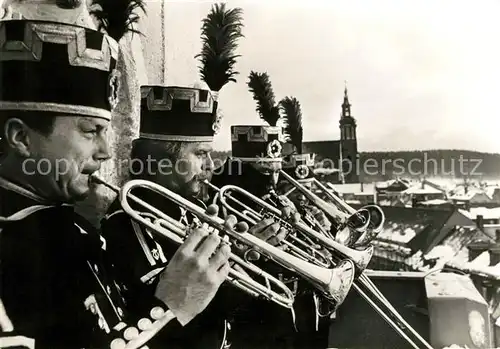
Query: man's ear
x=16, y=136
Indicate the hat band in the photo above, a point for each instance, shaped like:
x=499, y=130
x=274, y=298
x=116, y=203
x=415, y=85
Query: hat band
x=56, y=108
x=176, y=138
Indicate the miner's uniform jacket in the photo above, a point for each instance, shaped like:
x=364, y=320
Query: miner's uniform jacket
x=57, y=289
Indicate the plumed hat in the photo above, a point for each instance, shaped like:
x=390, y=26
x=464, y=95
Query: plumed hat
x=259, y=143
x=176, y=113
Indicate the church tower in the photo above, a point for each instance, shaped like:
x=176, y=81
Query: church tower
x=348, y=143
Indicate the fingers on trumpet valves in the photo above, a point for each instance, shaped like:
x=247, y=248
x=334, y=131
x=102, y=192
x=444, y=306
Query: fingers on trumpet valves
x=212, y=210
x=230, y=222
x=280, y=236
x=241, y=227
x=268, y=232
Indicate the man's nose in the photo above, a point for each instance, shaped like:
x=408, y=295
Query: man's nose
x=103, y=150
x=209, y=163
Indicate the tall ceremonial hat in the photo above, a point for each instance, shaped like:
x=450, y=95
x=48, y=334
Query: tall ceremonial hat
x=176, y=113
x=259, y=143
x=297, y=164
x=57, y=66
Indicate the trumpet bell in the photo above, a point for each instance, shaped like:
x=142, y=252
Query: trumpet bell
x=357, y=224
x=360, y=220
x=377, y=220
x=342, y=278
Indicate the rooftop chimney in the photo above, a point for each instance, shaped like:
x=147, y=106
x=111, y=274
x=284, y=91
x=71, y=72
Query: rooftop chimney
x=476, y=248
x=467, y=205
x=494, y=252
x=480, y=222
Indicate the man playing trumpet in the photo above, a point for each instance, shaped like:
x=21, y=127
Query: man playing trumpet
x=57, y=290
x=254, y=166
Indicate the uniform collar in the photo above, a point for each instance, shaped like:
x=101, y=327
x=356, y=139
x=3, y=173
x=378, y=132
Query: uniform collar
x=11, y=186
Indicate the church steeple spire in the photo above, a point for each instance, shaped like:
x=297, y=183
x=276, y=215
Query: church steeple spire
x=348, y=141
x=347, y=122
x=346, y=106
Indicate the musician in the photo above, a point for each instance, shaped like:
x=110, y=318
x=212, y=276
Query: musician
x=175, y=140
x=57, y=289
x=314, y=327
x=301, y=168
x=256, y=158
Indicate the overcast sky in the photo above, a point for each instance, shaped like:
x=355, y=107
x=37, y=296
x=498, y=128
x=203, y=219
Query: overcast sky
x=422, y=74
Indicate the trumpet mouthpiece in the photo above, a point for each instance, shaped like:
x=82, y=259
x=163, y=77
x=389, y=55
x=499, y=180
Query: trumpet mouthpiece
x=93, y=178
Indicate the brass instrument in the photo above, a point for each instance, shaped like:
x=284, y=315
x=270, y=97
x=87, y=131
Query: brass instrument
x=335, y=283
x=308, y=237
x=377, y=216
x=355, y=228
x=306, y=250
x=363, y=284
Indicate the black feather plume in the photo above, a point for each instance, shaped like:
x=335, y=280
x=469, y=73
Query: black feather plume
x=260, y=85
x=220, y=32
x=293, y=121
x=117, y=17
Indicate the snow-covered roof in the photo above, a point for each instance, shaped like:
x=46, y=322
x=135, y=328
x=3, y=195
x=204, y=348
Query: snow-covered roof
x=487, y=213
x=353, y=188
x=422, y=189
x=443, y=252
x=433, y=202
x=397, y=233
x=490, y=190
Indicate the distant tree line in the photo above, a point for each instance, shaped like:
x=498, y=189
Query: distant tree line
x=451, y=163
x=430, y=163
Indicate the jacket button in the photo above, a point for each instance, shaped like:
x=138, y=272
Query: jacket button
x=117, y=343
x=157, y=313
x=144, y=324
x=131, y=333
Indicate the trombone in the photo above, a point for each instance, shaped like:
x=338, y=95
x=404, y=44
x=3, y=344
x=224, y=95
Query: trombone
x=397, y=322
x=335, y=283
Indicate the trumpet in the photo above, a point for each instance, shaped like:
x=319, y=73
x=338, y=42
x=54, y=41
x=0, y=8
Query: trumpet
x=335, y=283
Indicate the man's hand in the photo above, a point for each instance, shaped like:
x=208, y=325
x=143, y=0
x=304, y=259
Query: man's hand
x=194, y=274
x=320, y=216
x=286, y=202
